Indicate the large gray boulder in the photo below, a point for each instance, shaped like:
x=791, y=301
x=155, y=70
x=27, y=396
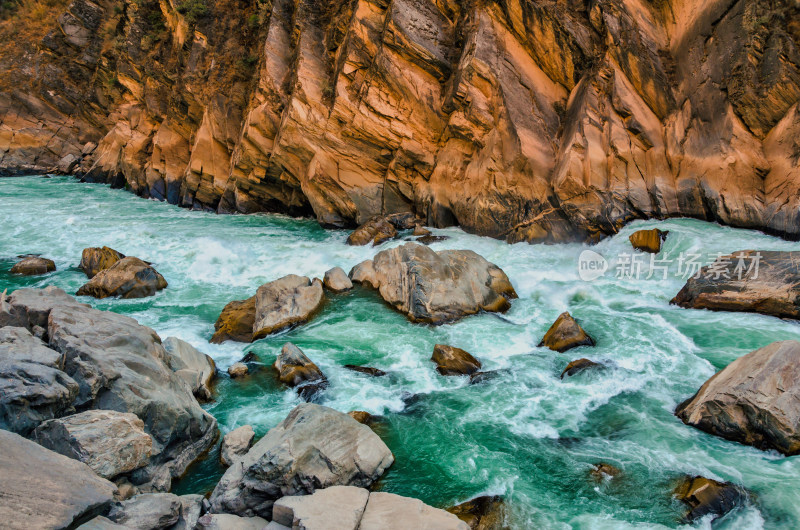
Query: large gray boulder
x=314, y=447
x=286, y=302
x=33, y=387
x=194, y=366
x=109, y=442
x=119, y=365
x=127, y=278
x=387, y=511
x=755, y=400
x=43, y=489
x=435, y=287
x=336, y=280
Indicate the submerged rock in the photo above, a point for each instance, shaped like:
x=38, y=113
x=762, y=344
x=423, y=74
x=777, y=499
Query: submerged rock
x=482, y=513
x=454, y=361
x=236, y=322
x=238, y=370
x=766, y=282
x=755, y=400
x=33, y=266
x=96, y=259
x=194, y=366
x=706, y=496
x=368, y=370
x=577, y=366
x=376, y=231
x=603, y=471
x=43, y=489
x=109, y=442
x=127, y=278
x=648, y=240
x=336, y=280
x=236, y=443
x=286, y=302
x=435, y=287
x=297, y=371
x=565, y=334
x=313, y=448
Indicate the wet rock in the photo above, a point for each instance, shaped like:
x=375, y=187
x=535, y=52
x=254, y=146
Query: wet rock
x=577, y=366
x=224, y=521
x=435, y=287
x=286, y=302
x=565, y=334
x=454, y=361
x=482, y=377
x=482, y=513
x=127, y=278
x=648, y=240
x=238, y=370
x=313, y=448
x=757, y=281
x=297, y=371
x=109, y=442
x=236, y=443
x=236, y=322
x=43, y=489
x=360, y=416
x=33, y=266
x=387, y=511
x=375, y=231
x=603, y=471
x=368, y=370
x=755, y=400
x=147, y=510
x=339, y=507
x=420, y=230
x=430, y=238
x=706, y=496
x=96, y=259
x=402, y=220
x=195, y=367
x=336, y=280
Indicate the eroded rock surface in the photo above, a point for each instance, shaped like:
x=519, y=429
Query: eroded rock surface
x=336, y=280
x=454, y=361
x=127, y=278
x=96, y=259
x=706, y=496
x=236, y=322
x=236, y=443
x=194, y=366
x=33, y=266
x=296, y=370
x=286, y=302
x=565, y=334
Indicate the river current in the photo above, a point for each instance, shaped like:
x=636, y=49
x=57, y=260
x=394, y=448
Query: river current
x=524, y=434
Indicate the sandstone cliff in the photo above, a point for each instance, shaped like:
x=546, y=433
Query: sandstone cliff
x=527, y=120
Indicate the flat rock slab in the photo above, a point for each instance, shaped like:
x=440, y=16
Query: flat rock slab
x=33, y=266
x=565, y=334
x=43, y=489
x=755, y=400
x=128, y=278
x=286, y=302
x=766, y=282
x=435, y=287
x=224, y=521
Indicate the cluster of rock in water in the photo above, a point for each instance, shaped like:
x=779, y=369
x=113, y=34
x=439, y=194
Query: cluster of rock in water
x=98, y=415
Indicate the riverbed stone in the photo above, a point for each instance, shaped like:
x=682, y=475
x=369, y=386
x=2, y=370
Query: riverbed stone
x=565, y=334
x=128, y=278
x=336, y=280
x=482, y=513
x=238, y=370
x=333, y=508
x=315, y=447
x=296, y=370
x=148, y=510
x=706, y=496
x=376, y=231
x=43, y=489
x=236, y=443
x=648, y=240
x=435, y=287
x=755, y=400
x=454, y=361
x=577, y=366
x=286, y=302
x=387, y=511
x=33, y=266
x=192, y=365
x=109, y=442
x=366, y=370
x=96, y=259
x=236, y=322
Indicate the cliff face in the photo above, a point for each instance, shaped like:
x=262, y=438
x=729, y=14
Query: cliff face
x=527, y=120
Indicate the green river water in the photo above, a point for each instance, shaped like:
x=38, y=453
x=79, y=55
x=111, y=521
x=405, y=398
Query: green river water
x=524, y=434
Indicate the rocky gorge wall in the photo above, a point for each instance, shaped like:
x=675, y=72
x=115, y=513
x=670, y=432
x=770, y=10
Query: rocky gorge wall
x=525, y=120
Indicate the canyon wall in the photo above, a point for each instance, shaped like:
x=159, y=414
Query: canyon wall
x=525, y=120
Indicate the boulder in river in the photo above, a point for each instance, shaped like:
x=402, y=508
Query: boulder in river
x=238, y=370
x=565, y=334
x=420, y=230
x=314, y=447
x=33, y=266
x=430, y=238
x=128, y=278
x=360, y=416
x=376, y=231
x=236, y=443
x=296, y=370
x=435, y=287
x=109, y=442
x=766, y=282
x=96, y=259
x=604, y=471
x=367, y=370
x=236, y=322
x=194, y=366
x=755, y=400
x=705, y=496
x=286, y=302
x=482, y=513
x=336, y=280
x=577, y=366
x=648, y=240
x=454, y=361
x=43, y=489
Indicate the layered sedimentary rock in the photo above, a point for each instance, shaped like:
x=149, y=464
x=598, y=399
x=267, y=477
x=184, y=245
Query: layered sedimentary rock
x=542, y=120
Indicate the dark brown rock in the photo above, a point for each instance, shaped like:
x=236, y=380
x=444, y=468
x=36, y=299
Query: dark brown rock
x=360, y=416
x=454, y=361
x=297, y=371
x=564, y=334
x=648, y=240
x=420, y=230
x=368, y=370
x=705, y=496
x=375, y=231
x=577, y=366
x=33, y=266
x=236, y=322
x=127, y=278
x=482, y=513
x=603, y=471
x=96, y=259
x=430, y=238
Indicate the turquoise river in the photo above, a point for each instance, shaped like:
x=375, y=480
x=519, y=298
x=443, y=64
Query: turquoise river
x=525, y=434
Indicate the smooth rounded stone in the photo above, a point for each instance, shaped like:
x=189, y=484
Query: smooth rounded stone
x=236, y=322
x=285, y=303
x=376, y=231
x=336, y=280
x=315, y=447
x=192, y=365
x=387, y=511
x=577, y=366
x=33, y=266
x=236, y=443
x=128, y=278
x=225, y=521
x=43, y=489
x=454, y=361
x=96, y=259
x=334, y=508
x=603, y=471
x=297, y=371
x=706, y=496
x=33, y=387
x=360, y=416
x=565, y=334
x=648, y=240
x=771, y=288
x=238, y=370
x=147, y=510
x=367, y=370
x=435, y=287
x=482, y=513
x=109, y=442
x=755, y=400
x=420, y=230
